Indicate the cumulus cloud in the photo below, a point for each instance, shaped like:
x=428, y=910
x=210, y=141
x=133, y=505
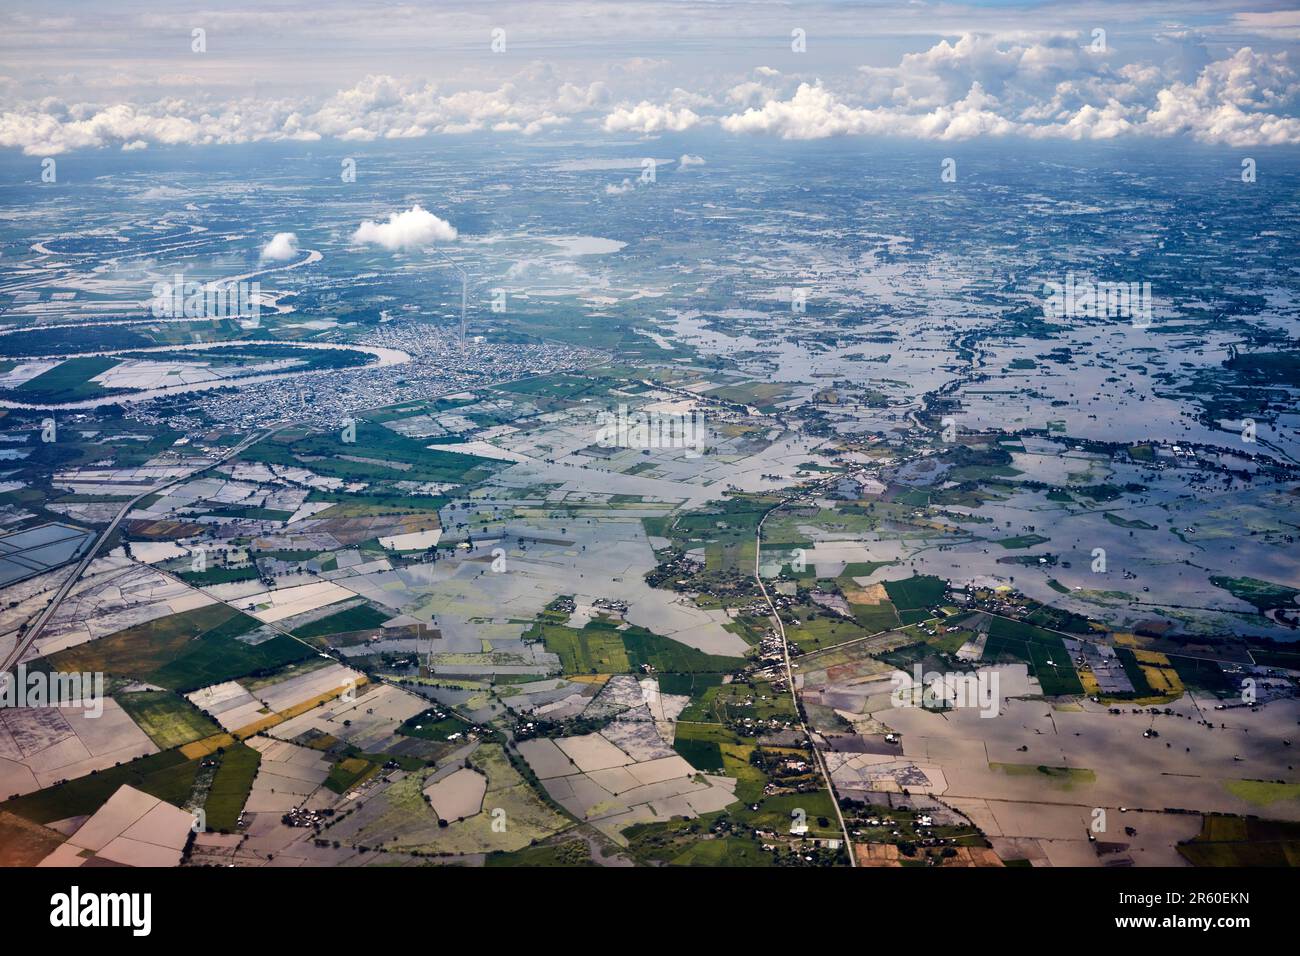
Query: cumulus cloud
x=618, y=189
x=415, y=228
x=688, y=160
x=750, y=92
x=1231, y=102
x=646, y=117
x=1054, y=89
x=282, y=247
x=1038, y=85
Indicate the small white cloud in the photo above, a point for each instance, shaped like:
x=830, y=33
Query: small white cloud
x=282, y=247
x=688, y=160
x=646, y=117
x=626, y=186
x=413, y=229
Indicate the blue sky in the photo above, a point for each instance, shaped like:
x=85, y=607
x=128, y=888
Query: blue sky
x=132, y=75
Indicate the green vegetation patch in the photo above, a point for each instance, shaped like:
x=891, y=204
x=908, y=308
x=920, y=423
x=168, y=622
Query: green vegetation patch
x=1042, y=650
x=601, y=648
x=1238, y=841
x=167, y=776
x=67, y=381
x=362, y=617
x=378, y=453
x=168, y=719
x=1263, y=792
x=566, y=854
x=347, y=773
x=919, y=592
x=1022, y=541
x=231, y=786
x=1264, y=595
x=183, y=651
x=218, y=575
x=1132, y=523
x=1063, y=778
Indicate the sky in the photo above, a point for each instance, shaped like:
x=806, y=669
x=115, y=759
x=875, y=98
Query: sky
x=134, y=75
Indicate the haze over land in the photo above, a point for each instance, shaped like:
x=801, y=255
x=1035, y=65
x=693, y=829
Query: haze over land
x=634, y=446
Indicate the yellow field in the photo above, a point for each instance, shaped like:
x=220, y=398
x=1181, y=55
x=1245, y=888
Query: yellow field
x=1151, y=657
x=270, y=720
x=208, y=745
x=1129, y=640
x=1163, y=680
x=1089, y=682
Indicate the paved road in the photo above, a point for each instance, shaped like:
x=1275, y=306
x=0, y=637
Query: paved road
x=66, y=588
x=789, y=672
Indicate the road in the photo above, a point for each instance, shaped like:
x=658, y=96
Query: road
x=789, y=671
x=65, y=589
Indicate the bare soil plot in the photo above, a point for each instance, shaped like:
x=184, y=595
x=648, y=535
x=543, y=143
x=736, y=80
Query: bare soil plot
x=458, y=795
x=131, y=829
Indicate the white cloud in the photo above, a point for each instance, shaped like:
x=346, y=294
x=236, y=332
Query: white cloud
x=1046, y=84
x=1231, y=101
x=646, y=117
x=1241, y=100
x=749, y=92
x=618, y=189
x=811, y=113
x=688, y=160
x=415, y=228
x=282, y=247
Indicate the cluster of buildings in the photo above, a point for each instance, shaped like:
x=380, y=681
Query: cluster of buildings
x=438, y=365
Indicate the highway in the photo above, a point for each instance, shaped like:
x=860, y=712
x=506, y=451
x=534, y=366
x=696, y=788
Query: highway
x=65, y=589
x=785, y=649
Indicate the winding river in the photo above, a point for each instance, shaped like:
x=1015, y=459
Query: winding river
x=386, y=357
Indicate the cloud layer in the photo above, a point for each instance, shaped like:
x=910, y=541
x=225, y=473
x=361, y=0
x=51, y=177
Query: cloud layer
x=1034, y=85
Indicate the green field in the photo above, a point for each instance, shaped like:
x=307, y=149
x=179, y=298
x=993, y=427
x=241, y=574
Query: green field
x=1131, y=523
x=875, y=617
x=218, y=575
x=182, y=651
x=1238, y=841
x=1022, y=541
x=1042, y=650
x=347, y=772
x=568, y=853
x=67, y=381
x=921, y=592
x=169, y=720
x=363, y=617
x=600, y=648
x=818, y=628
x=167, y=776
x=703, y=755
x=1263, y=594
x=385, y=455
x=231, y=786
x=426, y=727
x=682, y=842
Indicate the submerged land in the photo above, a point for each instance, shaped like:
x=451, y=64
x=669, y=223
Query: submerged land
x=365, y=592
